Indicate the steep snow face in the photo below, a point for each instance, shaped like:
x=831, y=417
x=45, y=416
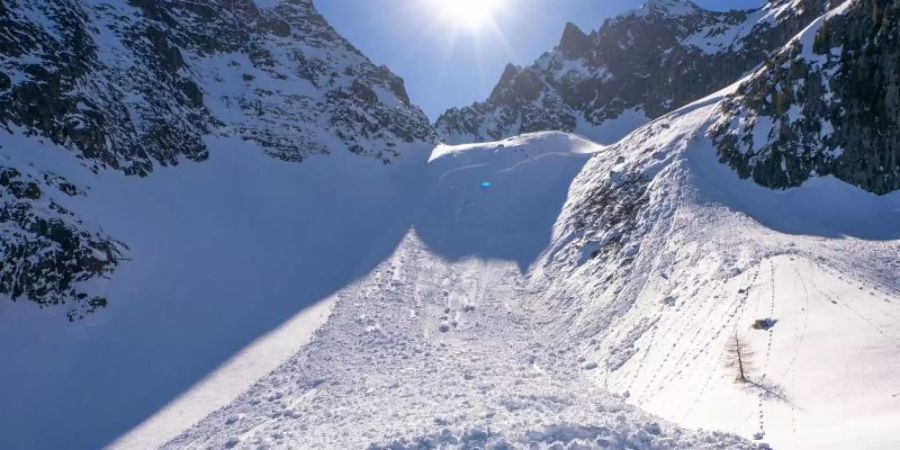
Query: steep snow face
x=135, y=86
x=437, y=347
x=98, y=102
x=636, y=67
x=826, y=104
x=498, y=201
x=219, y=254
x=663, y=256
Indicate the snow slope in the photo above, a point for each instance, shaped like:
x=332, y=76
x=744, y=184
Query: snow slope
x=658, y=256
x=220, y=254
x=437, y=345
x=234, y=261
x=706, y=257
x=290, y=145
x=510, y=294
x=452, y=330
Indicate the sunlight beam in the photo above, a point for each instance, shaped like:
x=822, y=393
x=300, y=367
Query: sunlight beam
x=471, y=15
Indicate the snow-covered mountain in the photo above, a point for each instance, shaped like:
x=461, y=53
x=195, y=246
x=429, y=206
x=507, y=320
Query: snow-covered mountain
x=659, y=257
x=286, y=260
x=636, y=67
x=131, y=86
x=166, y=161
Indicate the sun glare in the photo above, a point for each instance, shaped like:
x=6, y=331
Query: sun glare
x=471, y=14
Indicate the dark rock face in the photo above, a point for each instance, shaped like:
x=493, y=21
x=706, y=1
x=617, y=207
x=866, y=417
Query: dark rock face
x=574, y=43
x=829, y=104
x=44, y=248
x=68, y=93
x=652, y=60
x=137, y=84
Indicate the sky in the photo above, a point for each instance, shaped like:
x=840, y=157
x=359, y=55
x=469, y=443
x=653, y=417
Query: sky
x=450, y=56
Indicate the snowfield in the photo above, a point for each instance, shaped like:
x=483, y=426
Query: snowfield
x=463, y=338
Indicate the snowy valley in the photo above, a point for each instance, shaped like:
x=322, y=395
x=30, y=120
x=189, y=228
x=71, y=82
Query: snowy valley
x=301, y=260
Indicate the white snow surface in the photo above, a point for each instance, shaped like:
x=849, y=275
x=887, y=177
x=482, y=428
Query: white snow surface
x=716, y=254
x=438, y=343
x=221, y=254
x=462, y=337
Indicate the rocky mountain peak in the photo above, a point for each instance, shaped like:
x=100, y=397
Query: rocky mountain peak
x=574, y=43
x=516, y=85
x=636, y=67
x=509, y=75
x=670, y=8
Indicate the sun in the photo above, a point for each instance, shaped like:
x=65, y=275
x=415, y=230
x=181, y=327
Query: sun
x=470, y=14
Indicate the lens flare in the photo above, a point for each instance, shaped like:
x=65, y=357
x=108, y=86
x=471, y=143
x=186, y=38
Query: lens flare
x=470, y=14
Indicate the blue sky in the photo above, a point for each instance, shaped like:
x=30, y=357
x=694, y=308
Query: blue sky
x=448, y=66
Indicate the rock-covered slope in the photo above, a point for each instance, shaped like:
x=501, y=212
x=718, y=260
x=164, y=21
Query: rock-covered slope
x=636, y=67
x=132, y=86
x=45, y=248
x=828, y=104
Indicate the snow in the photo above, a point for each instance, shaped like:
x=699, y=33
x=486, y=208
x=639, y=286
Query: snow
x=466, y=340
x=228, y=380
x=733, y=253
x=541, y=143
x=221, y=253
x=437, y=343
x=612, y=130
x=342, y=303
x=723, y=36
x=295, y=312
x=530, y=176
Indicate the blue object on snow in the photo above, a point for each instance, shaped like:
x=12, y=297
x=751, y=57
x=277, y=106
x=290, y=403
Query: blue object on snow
x=487, y=185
